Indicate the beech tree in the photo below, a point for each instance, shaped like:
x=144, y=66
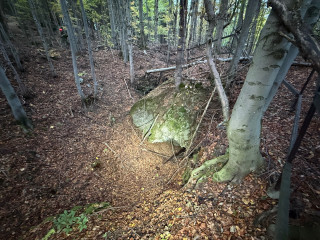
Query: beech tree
x=244, y=127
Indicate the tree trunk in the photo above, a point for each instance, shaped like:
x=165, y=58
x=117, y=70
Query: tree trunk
x=253, y=30
x=193, y=27
x=245, y=124
x=202, y=11
x=156, y=19
x=250, y=11
x=12, y=48
x=222, y=95
x=21, y=85
x=14, y=102
x=112, y=23
x=148, y=20
x=303, y=37
x=142, y=36
x=222, y=16
x=181, y=43
x=310, y=18
x=73, y=47
x=129, y=40
x=93, y=73
x=239, y=25
x=40, y=31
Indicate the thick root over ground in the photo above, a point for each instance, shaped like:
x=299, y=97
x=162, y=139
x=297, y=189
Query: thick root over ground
x=206, y=170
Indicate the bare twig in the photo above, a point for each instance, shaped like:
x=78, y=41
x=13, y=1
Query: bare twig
x=147, y=133
x=110, y=149
x=128, y=89
x=204, y=112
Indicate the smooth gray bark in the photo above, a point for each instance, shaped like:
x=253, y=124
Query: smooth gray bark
x=73, y=48
x=86, y=29
x=245, y=123
x=13, y=100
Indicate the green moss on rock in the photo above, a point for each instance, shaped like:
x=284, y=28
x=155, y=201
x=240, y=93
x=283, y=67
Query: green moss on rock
x=168, y=115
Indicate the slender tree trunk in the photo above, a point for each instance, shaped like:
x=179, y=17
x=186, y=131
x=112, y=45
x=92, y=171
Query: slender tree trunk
x=13, y=50
x=156, y=19
x=250, y=11
x=148, y=19
x=239, y=25
x=193, y=27
x=181, y=43
x=142, y=36
x=175, y=25
x=112, y=23
x=21, y=85
x=253, y=31
x=73, y=47
x=222, y=95
x=40, y=31
x=13, y=100
x=202, y=11
x=222, y=16
x=129, y=40
x=93, y=73
x=245, y=124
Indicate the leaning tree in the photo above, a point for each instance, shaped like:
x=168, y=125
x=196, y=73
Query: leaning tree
x=244, y=128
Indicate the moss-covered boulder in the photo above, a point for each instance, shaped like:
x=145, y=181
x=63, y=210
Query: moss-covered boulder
x=167, y=115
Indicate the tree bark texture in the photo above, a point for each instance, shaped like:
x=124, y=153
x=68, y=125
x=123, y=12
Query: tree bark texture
x=142, y=35
x=13, y=50
x=73, y=47
x=303, y=37
x=156, y=19
x=181, y=43
x=221, y=18
x=86, y=29
x=13, y=100
x=21, y=85
x=245, y=124
x=222, y=95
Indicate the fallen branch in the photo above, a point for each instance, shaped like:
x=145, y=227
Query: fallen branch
x=174, y=67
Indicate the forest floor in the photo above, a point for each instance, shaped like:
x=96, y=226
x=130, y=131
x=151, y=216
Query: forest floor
x=75, y=157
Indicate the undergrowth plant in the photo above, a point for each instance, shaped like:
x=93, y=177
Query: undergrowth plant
x=69, y=220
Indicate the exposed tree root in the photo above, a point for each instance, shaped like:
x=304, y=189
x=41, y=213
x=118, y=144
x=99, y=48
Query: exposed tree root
x=206, y=170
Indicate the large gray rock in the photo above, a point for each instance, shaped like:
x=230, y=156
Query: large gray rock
x=167, y=115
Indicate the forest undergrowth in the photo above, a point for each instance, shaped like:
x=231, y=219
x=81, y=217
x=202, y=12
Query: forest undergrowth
x=77, y=156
